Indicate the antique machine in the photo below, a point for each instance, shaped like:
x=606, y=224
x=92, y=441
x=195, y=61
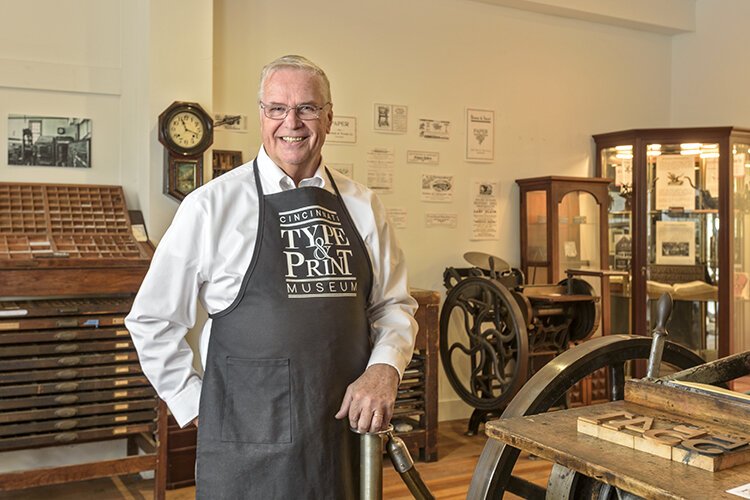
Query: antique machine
x=495, y=331
x=71, y=259
x=673, y=434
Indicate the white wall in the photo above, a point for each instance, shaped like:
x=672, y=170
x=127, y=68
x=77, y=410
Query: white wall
x=710, y=68
x=552, y=82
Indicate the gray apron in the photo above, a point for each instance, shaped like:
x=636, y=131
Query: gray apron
x=281, y=356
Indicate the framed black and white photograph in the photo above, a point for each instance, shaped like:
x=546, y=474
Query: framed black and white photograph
x=48, y=141
x=675, y=242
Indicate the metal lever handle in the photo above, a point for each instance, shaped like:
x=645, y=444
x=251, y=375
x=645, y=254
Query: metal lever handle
x=371, y=465
x=663, y=312
x=404, y=465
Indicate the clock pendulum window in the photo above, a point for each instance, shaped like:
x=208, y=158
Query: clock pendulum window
x=186, y=132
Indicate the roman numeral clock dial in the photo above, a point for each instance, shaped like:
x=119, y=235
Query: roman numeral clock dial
x=186, y=132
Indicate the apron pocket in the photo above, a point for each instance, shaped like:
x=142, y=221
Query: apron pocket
x=257, y=403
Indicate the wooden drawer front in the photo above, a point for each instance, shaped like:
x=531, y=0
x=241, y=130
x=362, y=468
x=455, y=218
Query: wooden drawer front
x=77, y=411
x=65, y=307
x=62, y=322
x=114, y=419
x=75, y=398
x=181, y=468
x=182, y=438
x=34, y=336
x=17, y=378
x=63, y=361
x=71, y=386
x=74, y=436
x=15, y=351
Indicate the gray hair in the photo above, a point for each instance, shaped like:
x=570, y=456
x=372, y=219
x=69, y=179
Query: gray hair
x=298, y=63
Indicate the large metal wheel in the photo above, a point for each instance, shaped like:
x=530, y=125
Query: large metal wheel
x=494, y=469
x=491, y=340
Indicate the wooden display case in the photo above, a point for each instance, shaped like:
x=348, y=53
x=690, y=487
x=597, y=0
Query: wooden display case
x=416, y=403
x=563, y=226
x=681, y=198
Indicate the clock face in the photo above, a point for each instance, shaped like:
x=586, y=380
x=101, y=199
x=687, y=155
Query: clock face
x=186, y=130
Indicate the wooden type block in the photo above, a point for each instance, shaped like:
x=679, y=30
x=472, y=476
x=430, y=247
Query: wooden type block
x=622, y=437
x=588, y=428
x=678, y=441
x=711, y=463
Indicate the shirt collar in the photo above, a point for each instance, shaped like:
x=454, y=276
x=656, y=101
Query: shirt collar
x=275, y=179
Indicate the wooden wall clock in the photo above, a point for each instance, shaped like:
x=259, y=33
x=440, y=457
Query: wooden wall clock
x=186, y=132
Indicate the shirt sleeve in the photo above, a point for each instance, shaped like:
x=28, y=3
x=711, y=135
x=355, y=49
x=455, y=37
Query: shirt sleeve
x=165, y=308
x=393, y=329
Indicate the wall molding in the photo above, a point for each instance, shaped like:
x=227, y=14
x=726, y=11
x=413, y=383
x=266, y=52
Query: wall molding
x=57, y=77
x=668, y=17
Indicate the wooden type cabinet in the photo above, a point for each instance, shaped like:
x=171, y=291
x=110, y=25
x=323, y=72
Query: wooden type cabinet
x=679, y=215
x=70, y=265
x=416, y=403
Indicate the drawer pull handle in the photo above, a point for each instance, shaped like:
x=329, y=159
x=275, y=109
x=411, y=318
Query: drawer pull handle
x=66, y=412
x=66, y=437
x=66, y=425
x=67, y=310
x=67, y=399
x=69, y=361
x=62, y=323
x=67, y=386
x=65, y=348
x=67, y=374
x=66, y=335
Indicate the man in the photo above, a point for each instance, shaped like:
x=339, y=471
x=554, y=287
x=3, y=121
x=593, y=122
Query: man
x=310, y=316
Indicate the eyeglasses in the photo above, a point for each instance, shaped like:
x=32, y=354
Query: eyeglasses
x=303, y=111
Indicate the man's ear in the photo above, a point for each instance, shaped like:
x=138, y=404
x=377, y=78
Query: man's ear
x=330, y=119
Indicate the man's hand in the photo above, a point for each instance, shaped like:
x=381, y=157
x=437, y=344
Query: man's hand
x=195, y=421
x=369, y=400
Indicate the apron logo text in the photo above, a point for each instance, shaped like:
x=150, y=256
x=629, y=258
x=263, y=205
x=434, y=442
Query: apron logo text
x=317, y=253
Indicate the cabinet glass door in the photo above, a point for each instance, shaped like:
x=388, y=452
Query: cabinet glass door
x=618, y=163
x=536, y=248
x=578, y=230
x=682, y=234
x=741, y=228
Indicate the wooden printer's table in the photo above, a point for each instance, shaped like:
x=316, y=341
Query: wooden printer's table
x=554, y=436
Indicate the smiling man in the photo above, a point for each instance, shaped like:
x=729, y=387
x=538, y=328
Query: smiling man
x=311, y=323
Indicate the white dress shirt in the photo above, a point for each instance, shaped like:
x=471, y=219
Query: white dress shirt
x=204, y=256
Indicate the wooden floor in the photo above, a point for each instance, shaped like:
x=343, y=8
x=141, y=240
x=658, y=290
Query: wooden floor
x=448, y=478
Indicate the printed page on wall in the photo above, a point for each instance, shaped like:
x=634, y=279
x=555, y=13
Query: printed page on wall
x=480, y=135
x=485, y=206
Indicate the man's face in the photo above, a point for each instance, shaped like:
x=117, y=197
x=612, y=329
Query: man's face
x=294, y=144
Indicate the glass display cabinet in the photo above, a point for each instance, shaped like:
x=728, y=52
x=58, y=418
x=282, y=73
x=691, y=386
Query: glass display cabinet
x=678, y=214
x=563, y=226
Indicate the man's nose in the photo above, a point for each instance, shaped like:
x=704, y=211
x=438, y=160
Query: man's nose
x=292, y=119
